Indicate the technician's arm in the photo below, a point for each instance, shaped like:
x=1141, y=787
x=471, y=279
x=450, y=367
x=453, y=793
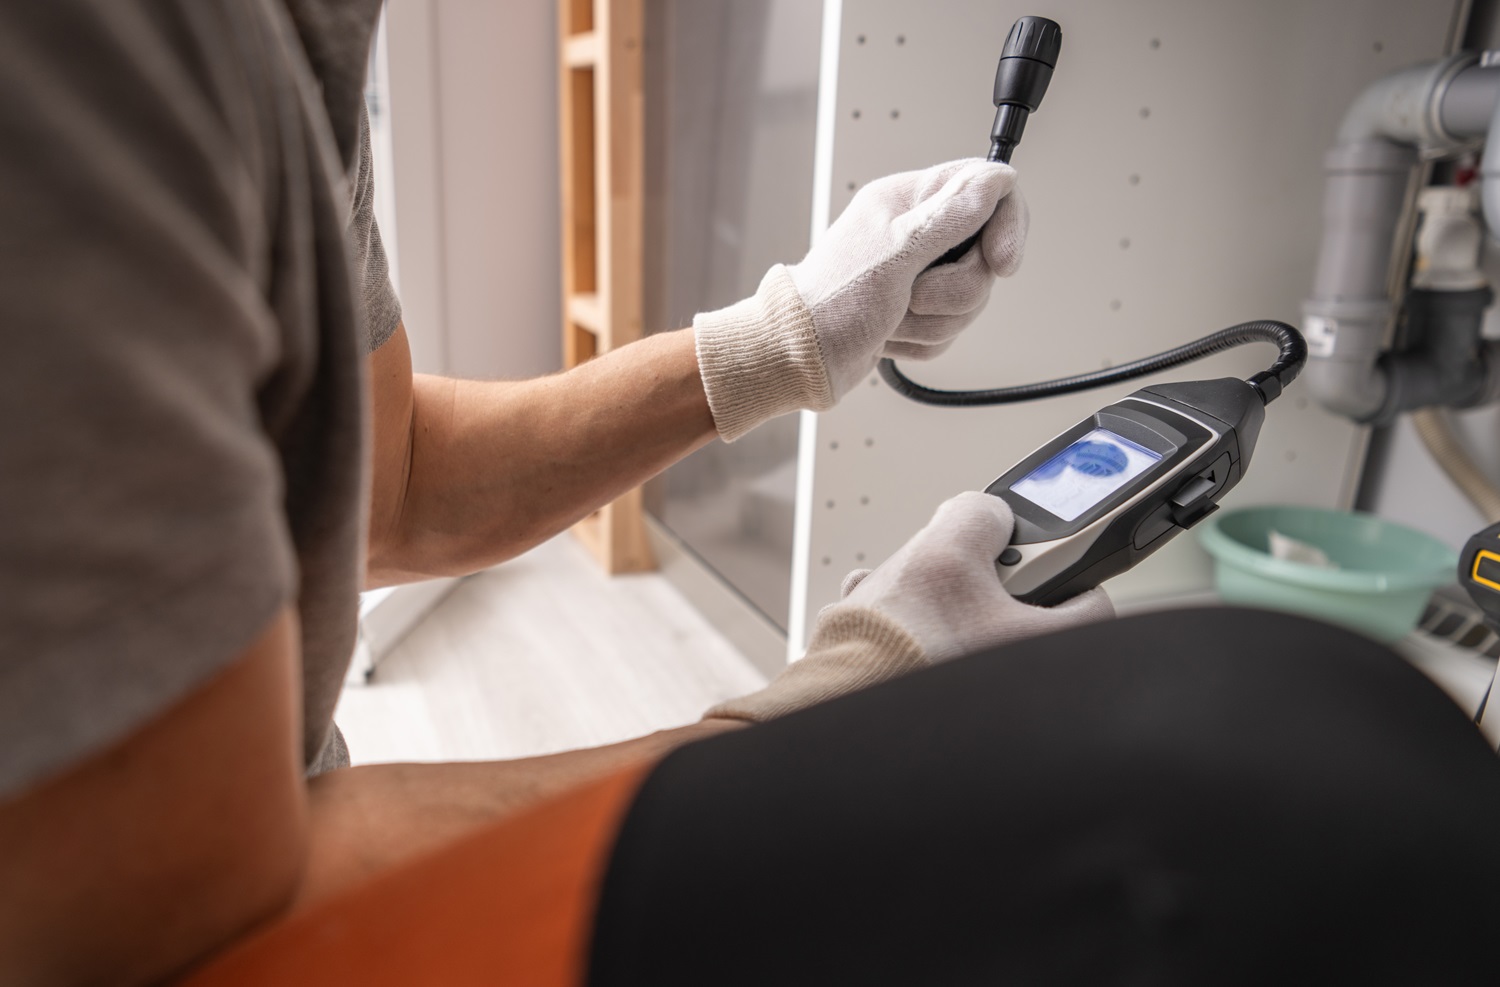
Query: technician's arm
x=470, y=473
x=186, y=835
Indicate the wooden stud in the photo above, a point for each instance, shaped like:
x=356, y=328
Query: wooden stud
x=581, y=51
x=579, y=203
x=580, y=344
x=602, y=126
x=584, y=311
x=575, y=16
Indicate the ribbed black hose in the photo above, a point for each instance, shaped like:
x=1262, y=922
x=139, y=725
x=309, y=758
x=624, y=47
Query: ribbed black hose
x=1270, y=382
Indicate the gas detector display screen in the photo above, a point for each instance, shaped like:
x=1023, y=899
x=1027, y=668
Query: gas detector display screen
x=1085, y=473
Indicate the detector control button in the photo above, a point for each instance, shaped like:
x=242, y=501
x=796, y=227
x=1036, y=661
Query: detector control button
x=1196, y=491
x=1010, y=556
x=1157, y=524
x=1195, y=500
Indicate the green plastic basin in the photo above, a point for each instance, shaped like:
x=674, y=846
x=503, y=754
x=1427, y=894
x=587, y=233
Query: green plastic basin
x=1385, y=571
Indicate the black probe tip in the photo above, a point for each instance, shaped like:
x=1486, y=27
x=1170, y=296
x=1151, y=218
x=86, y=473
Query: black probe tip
x=1034, y=37
x=1026, y=64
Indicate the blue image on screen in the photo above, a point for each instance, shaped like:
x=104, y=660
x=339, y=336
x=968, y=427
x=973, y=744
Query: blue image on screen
x=1085, y=473
x=1096, y=458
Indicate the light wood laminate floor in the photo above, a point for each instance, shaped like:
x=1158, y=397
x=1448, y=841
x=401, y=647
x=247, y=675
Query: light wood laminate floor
x=542, y=654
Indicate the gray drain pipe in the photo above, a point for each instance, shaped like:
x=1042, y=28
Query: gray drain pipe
x=1420, y=113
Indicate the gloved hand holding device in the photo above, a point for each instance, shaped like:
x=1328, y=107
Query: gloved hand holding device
x=937, y=598
x=814, y=330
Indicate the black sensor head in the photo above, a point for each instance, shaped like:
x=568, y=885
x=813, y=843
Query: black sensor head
x=1021, y=80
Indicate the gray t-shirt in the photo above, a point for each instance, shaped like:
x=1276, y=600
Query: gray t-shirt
x=182, y=384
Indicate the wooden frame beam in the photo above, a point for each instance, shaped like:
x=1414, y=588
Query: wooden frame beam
x=602, y=104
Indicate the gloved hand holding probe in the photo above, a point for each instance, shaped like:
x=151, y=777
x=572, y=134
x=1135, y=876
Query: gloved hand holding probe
x=937, y=598
x=814, y=330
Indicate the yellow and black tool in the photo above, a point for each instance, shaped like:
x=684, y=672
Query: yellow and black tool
x=1479, y=574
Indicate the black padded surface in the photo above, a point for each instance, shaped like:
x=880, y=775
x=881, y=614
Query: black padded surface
x=1204, y=796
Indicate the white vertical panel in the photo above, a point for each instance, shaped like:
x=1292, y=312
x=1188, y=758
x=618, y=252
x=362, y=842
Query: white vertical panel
x=1174, y=178
x=474, y=127
x=416, y=178
x=822, y=215
x=502, y=254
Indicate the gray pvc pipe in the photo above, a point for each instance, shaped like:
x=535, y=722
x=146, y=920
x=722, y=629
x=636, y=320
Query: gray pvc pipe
x=1391, y=107
x=1364, y=196
x=1469, y=102
x=1431, y=109
x=1489, y=176
x=1346, y=318
x=1354, y=389
x=1491, y=392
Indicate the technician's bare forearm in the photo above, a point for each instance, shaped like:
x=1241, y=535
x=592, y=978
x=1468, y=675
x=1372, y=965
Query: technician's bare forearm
x=367, y=819
x=490, y=469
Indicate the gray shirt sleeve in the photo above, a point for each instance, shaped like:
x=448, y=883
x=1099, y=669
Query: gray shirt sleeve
x=379, y=306
x=143, y=543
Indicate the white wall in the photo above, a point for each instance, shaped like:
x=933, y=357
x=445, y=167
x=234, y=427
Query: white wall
x=474, y=124
x=1174, y=175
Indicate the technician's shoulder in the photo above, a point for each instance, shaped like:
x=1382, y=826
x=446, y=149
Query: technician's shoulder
x=177, y=98
x=139, y=56
x=184, y=370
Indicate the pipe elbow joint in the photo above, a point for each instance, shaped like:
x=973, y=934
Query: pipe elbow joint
x=1489, y=358
x=1446, y=365
x=1407, y=107
x=1351, y=388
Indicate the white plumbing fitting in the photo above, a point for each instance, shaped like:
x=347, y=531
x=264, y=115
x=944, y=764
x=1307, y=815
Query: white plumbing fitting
x=1448, y=241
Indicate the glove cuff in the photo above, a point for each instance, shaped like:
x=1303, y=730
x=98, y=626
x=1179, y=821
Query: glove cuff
x=852, y=648
x=760, y=358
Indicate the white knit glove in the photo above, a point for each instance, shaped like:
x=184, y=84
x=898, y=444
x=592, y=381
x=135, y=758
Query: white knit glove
x=937, y=598
x=813, y=331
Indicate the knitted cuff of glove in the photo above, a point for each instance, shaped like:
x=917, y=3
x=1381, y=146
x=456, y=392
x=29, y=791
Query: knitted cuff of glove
x=852, y=648
x=760, y=358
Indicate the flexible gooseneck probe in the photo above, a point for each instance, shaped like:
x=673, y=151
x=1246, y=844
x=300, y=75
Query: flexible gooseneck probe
x=1268, y=383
